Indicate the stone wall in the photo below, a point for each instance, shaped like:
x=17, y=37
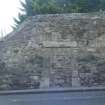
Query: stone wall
x=56, y=50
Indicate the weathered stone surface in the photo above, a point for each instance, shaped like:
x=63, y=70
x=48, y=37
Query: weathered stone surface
x=56, y=50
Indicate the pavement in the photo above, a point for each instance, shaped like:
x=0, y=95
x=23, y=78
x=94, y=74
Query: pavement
x=83, y=96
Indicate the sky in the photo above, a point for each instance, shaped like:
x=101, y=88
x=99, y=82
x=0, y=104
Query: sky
x=8, y=10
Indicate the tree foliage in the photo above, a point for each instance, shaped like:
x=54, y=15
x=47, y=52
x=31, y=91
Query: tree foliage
x=27, y=9
x=33, y=7
x=86, y=6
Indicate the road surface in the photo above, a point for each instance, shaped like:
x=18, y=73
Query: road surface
x=54, y=97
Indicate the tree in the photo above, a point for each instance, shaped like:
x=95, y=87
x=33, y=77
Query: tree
x=21, y=18
x=47, y=6
x=33, y=7
x=85, y=6
x=27, y=8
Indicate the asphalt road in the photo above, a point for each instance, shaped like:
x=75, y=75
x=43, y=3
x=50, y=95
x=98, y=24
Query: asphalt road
x=62, y=97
